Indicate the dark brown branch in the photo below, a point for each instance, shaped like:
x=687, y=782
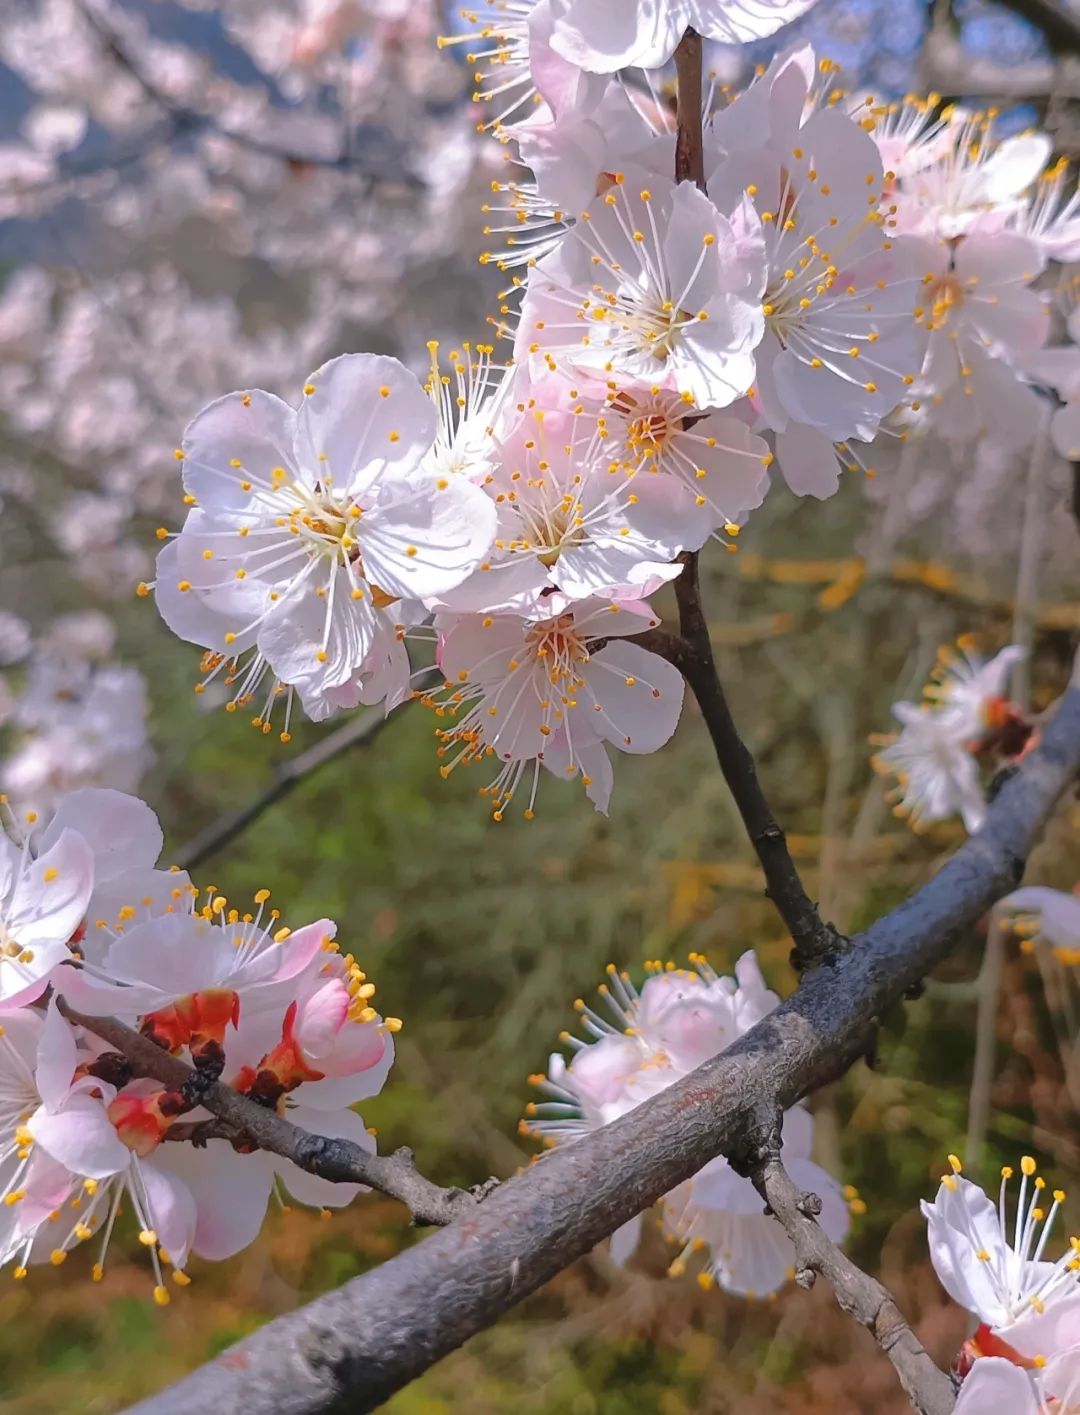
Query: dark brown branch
x=338, y=1160
x=815, y=941
x=219, y=833
x=928, y=1388
x=351, y=1349
x=689, y=142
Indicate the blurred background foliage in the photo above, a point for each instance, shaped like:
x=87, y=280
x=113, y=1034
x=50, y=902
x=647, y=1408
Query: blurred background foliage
x=480, y=935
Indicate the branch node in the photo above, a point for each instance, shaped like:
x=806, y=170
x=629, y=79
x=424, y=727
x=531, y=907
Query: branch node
x=810, y=1205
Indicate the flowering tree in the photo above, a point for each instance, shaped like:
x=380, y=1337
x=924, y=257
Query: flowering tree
x=705, y=299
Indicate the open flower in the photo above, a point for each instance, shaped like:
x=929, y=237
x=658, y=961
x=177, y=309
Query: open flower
x=551, y=692
x=520, y=79
x=720, y=462
x=63, y=1167
x=44, y=891
x=937, y=774
x=311, y=525
x=748, y=1253
x=842, y=344
x=985, y=322
x=653, y=284
x=998, y=1270
x=972, y=182
x=186, y=972
x=963, y=717
x=573, y=515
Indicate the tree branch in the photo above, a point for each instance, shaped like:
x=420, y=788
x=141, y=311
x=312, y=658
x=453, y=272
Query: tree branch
x=814, y=941
x=927, y=1387
x=1058, y=23
x=351, y=1349
x=338, y=1160
x=689, y=139
x=359, y=731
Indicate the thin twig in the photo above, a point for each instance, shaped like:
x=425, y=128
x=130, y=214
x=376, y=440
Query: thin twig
x=349, y=1350
x=360, y=731
x=815, y=941
x=689, y=138
x=928, y=1388
x=338, y=1160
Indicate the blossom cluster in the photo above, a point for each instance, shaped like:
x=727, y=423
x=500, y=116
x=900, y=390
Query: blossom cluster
x=91, y=926
x=846, y=273
x=639, y=1042
x=1025, y=1354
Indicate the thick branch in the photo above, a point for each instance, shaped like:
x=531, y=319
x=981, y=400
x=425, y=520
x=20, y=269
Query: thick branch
x=928, y=1388
x=351, y=1349
x=338, y=1160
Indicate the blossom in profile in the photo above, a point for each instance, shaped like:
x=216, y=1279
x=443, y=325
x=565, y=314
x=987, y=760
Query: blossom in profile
x=639, y=1043
x=644, y=34
x=937, y=774
x=521, y=81
x=967, y=180
x=1047, y=918
x=45, y=887
x=314, y=532
x=964, y=719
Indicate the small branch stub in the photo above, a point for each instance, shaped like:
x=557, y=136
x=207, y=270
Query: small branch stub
x=928, y=1388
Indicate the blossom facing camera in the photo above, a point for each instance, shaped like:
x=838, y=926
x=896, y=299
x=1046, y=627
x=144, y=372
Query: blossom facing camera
x=552, y=692
x=315, y=531
x=655, y=285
